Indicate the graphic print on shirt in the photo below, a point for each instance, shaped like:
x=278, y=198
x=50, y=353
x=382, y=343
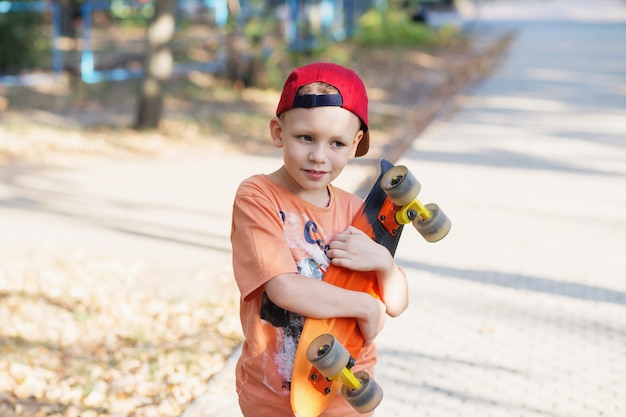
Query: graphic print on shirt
x=308, y=246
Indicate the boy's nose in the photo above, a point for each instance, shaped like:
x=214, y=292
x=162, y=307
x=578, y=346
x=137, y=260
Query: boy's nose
x=318, y=154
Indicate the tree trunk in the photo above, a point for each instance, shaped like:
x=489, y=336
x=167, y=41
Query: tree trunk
x=158, y=65
x=70, y=11
x=234, y=68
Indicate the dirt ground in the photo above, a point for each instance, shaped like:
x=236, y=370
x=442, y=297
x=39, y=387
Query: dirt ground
x=78, y=364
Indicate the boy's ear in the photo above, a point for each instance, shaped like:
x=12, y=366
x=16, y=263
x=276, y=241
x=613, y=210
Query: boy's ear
x=276, y=131
x=355, y=143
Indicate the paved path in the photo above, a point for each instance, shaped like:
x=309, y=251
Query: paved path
x=162, y=212
x=521, y=311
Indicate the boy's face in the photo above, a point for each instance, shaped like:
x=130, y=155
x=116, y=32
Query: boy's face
x=317, y=144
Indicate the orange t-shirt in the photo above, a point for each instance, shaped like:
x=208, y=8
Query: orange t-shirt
x=275, y=232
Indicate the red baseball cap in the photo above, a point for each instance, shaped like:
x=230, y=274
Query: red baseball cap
x=352, y=95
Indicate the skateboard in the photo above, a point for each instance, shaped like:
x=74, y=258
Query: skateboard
x=328, y=347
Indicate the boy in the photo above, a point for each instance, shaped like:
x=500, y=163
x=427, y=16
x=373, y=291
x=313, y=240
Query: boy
x=288, y=226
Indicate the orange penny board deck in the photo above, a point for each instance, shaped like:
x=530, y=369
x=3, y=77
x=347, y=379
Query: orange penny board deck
x=311, y=392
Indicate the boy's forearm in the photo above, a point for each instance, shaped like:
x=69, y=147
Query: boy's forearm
x=310, y=297
x=394, y=290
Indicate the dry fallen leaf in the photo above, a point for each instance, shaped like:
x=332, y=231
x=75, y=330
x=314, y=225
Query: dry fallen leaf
x=68, y=351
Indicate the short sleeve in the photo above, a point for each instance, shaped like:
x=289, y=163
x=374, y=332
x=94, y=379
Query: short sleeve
x=260, y=251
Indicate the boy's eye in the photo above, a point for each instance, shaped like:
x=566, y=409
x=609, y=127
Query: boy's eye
x=338, y=144
x=305, y=138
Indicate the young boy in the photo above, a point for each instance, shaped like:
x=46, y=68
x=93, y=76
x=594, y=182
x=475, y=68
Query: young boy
x=290, y=225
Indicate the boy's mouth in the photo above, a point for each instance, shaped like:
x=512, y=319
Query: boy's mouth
x=316, y=175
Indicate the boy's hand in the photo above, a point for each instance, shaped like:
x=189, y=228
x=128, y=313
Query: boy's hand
x=373, y=322
x=353, y=249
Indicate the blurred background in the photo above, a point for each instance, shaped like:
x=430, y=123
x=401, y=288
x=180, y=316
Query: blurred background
x=210, y=69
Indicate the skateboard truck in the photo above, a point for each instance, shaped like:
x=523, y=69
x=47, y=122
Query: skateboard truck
x=402, y=189
x=345, y=377
x=402, y=215
x=320, y=382
x=409, y=213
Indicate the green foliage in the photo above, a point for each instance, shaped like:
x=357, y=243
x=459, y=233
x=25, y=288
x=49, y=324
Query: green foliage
x=21, y=43
x=131, y=16
x=395, y=28
x=258, y=28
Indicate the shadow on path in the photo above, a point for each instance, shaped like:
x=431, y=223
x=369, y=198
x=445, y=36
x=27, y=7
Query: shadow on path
x=523, y=282
x=37, y=190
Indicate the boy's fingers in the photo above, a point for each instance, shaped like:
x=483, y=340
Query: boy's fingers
x=351, y=230
x=337, y=243
x=342, y=262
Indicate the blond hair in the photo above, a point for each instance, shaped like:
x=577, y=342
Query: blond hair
x=318, y=88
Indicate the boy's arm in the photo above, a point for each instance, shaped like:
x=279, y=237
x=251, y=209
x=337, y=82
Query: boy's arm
x=313, y=298
x=354, y=250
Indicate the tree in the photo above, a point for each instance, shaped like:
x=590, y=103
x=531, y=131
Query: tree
x=19, y=32
x=69, y=11
x=158, y=66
